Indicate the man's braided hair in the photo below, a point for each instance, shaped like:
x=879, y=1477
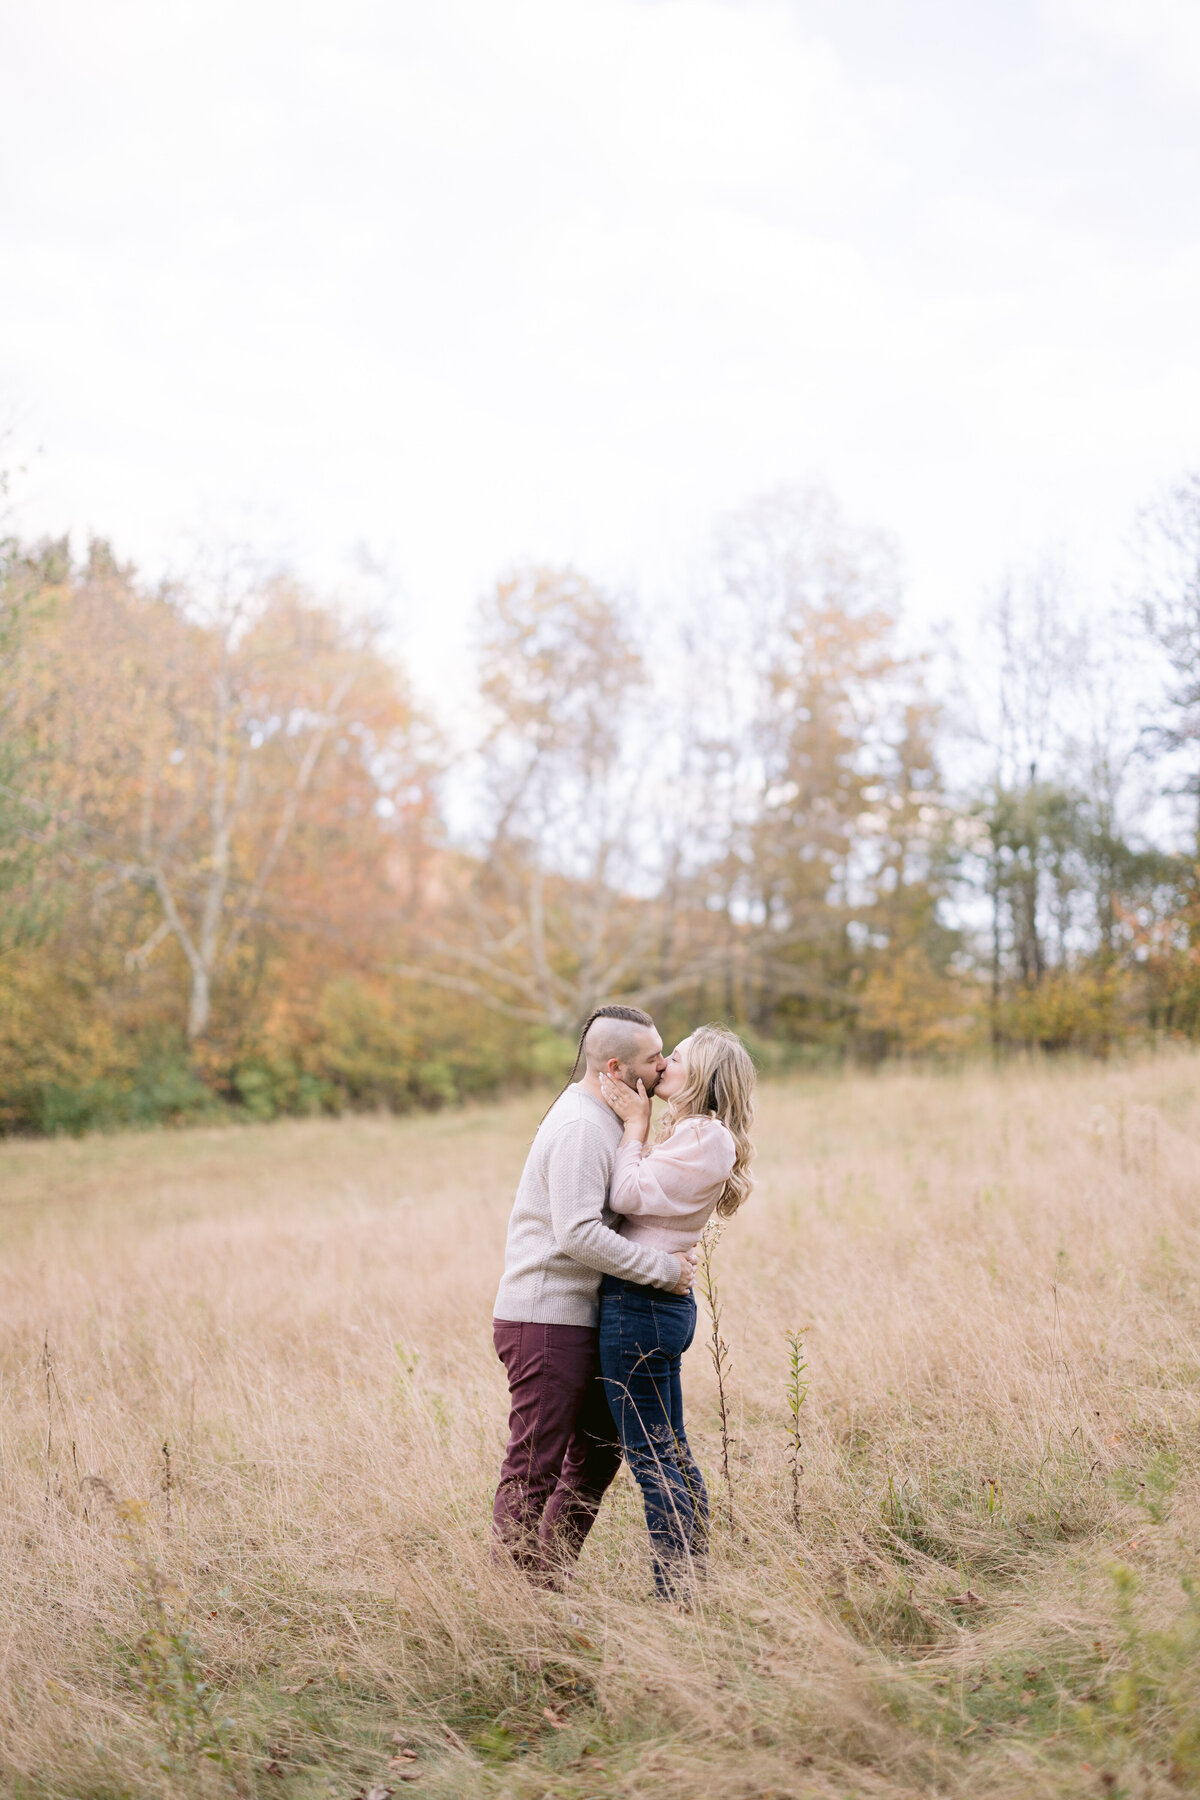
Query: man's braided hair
x=632, y=1015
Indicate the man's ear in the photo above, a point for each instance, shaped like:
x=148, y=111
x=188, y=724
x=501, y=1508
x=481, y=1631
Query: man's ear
x=613, y=1067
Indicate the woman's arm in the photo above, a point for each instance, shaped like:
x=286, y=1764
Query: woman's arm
x=674, y=1177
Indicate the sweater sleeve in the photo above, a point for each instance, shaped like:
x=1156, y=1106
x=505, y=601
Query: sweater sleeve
x=674, y=1177
x=575, y=1176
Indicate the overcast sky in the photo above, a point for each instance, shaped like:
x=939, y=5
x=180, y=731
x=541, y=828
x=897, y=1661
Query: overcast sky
x=469, y=280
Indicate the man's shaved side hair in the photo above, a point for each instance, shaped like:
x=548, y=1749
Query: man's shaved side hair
x=627, y=1019
x=610, y=1037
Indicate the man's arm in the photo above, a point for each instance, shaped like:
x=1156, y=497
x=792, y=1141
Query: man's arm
x=575, y=1179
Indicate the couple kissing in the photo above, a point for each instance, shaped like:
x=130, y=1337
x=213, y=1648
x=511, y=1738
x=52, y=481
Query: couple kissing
x=595, y=1307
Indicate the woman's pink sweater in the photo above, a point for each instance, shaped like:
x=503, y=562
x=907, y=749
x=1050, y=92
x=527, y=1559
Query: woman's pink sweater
x=666, y=1194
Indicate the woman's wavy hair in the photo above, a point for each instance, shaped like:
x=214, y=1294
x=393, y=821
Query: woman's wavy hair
x=719, y=1084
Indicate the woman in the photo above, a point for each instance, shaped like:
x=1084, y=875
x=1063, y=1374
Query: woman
x=666, y=1195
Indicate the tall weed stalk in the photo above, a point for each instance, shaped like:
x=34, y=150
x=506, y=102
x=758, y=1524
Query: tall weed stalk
x=797, y=1394
x=718, y=1349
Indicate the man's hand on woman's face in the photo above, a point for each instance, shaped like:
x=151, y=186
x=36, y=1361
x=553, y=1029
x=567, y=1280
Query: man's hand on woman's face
x=630, y=1105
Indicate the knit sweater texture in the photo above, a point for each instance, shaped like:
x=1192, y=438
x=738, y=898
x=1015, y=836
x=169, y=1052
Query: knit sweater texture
x=666, y=1195
x=562, y=1234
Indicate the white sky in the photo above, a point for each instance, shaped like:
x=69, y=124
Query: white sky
x=466, y=280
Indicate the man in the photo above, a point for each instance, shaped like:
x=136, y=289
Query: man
x=563, y=1448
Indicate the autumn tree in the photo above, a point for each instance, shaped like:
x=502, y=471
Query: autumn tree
x=544, y=920
x=28, y=829
x=210, y=755
x=1170, y=609
x=825, y=693
x=1056, y=849
x=911, y=991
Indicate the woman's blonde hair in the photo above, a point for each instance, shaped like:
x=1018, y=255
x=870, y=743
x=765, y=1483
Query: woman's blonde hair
x=719, y=1084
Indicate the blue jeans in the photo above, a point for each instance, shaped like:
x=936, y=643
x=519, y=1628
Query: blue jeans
x=643, y=1335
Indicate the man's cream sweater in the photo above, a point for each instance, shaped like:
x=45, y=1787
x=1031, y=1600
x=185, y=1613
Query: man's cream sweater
x=562, y=1236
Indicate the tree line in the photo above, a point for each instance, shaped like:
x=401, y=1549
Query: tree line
x=228, y=881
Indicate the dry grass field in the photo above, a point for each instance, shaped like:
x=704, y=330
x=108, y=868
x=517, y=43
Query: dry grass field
x=250, y=1421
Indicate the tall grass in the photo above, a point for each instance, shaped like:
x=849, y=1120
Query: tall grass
x=251, y=1418
x=797, y=1394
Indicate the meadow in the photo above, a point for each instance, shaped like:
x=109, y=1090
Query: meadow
x=250, y=1421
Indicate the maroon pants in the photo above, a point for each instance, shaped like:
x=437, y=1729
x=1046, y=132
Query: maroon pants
x=563, y=1448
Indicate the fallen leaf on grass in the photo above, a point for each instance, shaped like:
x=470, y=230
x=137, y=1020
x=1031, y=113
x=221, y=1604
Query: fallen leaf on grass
x=552, y=1719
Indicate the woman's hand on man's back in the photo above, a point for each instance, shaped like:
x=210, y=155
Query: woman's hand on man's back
x=687, y=1272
